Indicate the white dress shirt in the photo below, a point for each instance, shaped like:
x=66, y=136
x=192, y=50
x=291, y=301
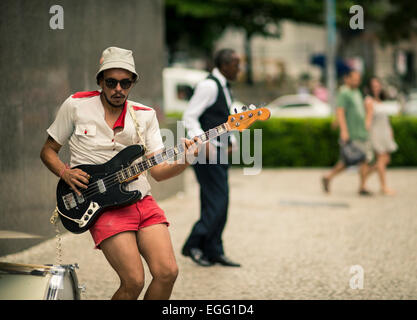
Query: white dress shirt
x=81, y=123
x=205, y=95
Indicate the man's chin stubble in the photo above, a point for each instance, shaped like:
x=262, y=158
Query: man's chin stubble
x=113, y=105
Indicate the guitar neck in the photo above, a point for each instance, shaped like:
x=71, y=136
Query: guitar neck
x=133, y=171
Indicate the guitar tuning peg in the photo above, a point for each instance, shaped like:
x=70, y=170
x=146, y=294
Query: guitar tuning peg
x=235, y=110
x=244, y=108
x=252, y=107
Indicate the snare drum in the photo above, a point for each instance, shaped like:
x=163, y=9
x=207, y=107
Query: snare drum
x=38, y=282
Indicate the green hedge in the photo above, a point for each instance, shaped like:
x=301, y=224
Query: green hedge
x=313, y=142
x=405, y=134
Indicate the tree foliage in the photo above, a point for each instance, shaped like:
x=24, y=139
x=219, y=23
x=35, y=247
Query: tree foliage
x=197, y=24
x=201, y=22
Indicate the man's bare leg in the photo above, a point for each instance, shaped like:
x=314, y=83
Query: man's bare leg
x=339, y=167
x=155, y=246
x=122, y=252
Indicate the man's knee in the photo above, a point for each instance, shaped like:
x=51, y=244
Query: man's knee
x=133, y=285
x=166, y=274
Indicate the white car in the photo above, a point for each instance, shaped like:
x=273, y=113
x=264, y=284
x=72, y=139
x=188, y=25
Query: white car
x=179, y=84
x=390, y=107
x=410, y=107
x=299, y=106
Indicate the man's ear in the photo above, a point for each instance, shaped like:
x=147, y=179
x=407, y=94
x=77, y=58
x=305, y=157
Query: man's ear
x=100, y=82
x=100, y=79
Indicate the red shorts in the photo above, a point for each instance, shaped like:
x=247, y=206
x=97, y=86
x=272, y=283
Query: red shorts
x=141, y=214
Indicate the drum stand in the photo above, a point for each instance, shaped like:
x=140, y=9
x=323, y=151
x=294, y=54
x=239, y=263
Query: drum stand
x=58, y=257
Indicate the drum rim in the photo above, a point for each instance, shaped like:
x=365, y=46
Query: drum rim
x=59, y=271
x=53, y=271
x=21, y=268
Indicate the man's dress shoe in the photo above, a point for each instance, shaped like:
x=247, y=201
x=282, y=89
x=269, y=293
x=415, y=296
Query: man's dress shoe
x=223, y=260
x=197, y=256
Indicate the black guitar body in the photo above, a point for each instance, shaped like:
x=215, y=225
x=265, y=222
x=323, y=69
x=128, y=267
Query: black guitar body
x=104, y=191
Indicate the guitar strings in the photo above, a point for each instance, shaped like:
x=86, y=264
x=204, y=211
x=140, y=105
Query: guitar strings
x=110, y=178
x=94, y=190
x=141, y=165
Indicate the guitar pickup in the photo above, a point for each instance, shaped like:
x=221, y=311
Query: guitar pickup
x=101, y=186
x=69, y=201
x=80, y=199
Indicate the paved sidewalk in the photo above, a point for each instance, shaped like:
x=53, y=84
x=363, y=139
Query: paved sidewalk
x=293, y=241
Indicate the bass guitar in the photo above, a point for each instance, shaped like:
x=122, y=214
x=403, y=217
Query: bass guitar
x=108, y=181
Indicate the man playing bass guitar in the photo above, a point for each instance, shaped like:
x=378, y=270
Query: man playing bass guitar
x=97, y=125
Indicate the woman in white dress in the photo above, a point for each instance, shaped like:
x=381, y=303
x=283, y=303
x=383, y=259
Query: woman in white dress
x=381, y=134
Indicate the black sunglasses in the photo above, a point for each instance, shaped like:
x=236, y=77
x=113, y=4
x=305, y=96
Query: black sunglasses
x=112, y=83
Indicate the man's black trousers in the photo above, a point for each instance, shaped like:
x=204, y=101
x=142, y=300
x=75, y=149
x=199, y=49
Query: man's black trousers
x=214, y=200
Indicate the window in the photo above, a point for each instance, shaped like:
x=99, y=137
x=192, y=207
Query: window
x=184, y=92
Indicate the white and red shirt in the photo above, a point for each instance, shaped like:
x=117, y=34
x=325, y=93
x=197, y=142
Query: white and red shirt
x=80, y=122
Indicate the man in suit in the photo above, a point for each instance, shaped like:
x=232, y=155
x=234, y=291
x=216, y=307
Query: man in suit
x=209, y=107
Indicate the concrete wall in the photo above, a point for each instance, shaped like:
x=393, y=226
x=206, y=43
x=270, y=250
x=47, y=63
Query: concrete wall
x=39, y=69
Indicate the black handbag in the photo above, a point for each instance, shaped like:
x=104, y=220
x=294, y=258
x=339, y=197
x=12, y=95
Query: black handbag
x=351, y=154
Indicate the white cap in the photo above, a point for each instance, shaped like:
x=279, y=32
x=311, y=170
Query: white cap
x=114, y=57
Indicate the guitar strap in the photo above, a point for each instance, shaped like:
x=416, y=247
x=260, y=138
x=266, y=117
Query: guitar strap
x=141, y=140
x=135, y=121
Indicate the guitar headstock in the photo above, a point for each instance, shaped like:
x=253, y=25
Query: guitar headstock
x=243, y=120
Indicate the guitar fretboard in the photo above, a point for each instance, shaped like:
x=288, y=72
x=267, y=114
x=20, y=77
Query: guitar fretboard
x=135, y=170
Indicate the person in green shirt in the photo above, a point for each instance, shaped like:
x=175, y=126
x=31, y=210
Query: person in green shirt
x=351, y=117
